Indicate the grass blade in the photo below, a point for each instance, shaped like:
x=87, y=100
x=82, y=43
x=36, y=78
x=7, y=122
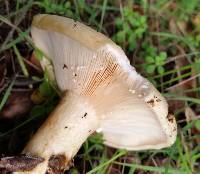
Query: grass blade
x=121, y=153
x=6, y=95
x=103, y=14
x=152, y=168
x=21, y=61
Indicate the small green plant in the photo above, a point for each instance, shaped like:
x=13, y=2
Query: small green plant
x=186, y=9
x=153, y=62
x=130, y=28
x=197, y=124
x=156, y=63
x=194, y=40
x=56, y=8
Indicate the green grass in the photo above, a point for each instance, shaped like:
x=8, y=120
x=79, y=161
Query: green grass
x=21, y=61
x=164, y=31
x=6, y=94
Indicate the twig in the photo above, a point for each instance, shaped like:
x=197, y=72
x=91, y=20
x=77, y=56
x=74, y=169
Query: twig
x=171, y=59
x=191, y=119
x=183, y=82
x=32, y=65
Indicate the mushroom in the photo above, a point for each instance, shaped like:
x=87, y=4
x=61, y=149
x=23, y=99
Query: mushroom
x=101, y=92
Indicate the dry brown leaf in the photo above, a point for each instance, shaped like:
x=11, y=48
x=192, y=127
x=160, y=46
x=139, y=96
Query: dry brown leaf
x=36, y=97
x=189, y=114
x=196, y=20
x=35, y=61
x=18, y=104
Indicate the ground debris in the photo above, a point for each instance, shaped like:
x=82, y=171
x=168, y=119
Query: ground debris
x=18, y=104
x=19, y=163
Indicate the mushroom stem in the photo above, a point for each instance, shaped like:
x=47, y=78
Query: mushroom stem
x=62, y=134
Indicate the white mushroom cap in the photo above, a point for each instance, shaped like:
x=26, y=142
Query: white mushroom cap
x=133, y=113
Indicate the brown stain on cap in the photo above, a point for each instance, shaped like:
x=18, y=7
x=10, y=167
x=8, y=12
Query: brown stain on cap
x=151, y=102
x=170, y=118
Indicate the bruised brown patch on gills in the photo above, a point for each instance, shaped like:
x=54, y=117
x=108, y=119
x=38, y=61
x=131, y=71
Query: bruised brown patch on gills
x=57, y=164
x=151, y=102
x=157, y=99
x=170, y=118
x=20, y=163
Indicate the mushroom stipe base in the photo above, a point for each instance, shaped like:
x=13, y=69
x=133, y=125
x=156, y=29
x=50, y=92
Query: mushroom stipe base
x=62, y=134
